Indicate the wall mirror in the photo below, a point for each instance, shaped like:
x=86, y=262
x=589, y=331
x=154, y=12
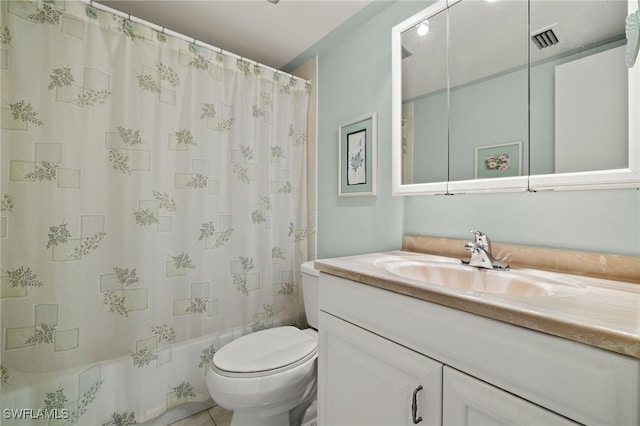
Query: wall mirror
x=514, y=95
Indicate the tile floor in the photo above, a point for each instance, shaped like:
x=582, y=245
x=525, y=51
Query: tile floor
x=216, y=416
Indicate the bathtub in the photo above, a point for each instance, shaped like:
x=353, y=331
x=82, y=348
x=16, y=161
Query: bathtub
x=116, y=391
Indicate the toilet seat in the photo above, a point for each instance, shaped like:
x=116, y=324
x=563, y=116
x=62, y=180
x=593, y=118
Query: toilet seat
x=265, y=353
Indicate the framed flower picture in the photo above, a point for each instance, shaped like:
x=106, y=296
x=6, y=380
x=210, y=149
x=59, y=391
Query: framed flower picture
x=357, y=157
x=503, y=160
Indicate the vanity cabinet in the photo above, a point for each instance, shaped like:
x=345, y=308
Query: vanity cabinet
x=381, y=353
x=471, y=402
x=370, y=380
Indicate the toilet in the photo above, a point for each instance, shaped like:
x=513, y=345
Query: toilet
x=269, y=377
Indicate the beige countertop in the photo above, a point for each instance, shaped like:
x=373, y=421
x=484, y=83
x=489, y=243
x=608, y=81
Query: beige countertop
x=604, y=313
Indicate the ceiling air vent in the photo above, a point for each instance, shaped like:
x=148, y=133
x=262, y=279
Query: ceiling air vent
x=545, y=38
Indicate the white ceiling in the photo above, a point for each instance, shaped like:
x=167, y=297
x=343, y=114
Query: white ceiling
x=272, y=34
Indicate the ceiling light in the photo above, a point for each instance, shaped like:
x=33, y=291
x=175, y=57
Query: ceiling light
x=423, y=28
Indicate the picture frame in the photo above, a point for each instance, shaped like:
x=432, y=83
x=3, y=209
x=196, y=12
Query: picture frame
x=497, y=161
x=357, y=157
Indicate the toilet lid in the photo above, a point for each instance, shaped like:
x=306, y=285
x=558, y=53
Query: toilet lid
x=265, y=350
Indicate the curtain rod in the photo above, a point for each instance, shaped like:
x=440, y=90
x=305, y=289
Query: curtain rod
x=172, y=33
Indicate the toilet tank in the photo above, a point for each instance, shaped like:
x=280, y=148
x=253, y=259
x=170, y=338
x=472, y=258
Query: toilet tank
x=310, y=292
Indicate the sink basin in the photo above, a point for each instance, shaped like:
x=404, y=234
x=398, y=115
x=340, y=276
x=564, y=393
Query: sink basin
x=515, y=282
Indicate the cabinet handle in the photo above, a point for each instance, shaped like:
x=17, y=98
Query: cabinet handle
x=414, y=405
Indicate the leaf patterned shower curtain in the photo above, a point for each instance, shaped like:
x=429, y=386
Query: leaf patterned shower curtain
x=153, y=197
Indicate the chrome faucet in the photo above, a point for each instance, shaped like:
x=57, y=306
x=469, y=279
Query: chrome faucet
x=480, y=250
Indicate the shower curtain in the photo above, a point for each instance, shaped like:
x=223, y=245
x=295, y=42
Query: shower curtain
x=153, y=196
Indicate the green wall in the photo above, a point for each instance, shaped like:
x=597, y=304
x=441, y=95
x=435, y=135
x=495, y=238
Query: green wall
x=605, y=221
x=354, y=74
x=355, y=80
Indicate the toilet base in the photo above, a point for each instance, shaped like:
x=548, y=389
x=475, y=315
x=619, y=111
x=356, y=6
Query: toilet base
x=250, y=419
x=276, y=416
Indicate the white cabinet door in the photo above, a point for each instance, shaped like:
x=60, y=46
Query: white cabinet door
x=470, y=402
x=364, y=379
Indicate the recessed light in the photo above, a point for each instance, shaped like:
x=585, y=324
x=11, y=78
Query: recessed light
x=423, y=28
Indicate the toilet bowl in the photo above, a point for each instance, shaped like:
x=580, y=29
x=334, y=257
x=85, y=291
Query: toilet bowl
x=268, y=377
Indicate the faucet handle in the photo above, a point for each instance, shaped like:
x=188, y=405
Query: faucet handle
x=482, y=240
x=471, y=246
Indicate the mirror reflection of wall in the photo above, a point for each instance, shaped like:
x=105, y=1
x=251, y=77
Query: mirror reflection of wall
x=489, y=98
x=425, y=102
x=471, y=93
x=579, y=91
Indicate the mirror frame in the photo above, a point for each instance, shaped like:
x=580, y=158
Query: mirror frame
x=600, y=179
